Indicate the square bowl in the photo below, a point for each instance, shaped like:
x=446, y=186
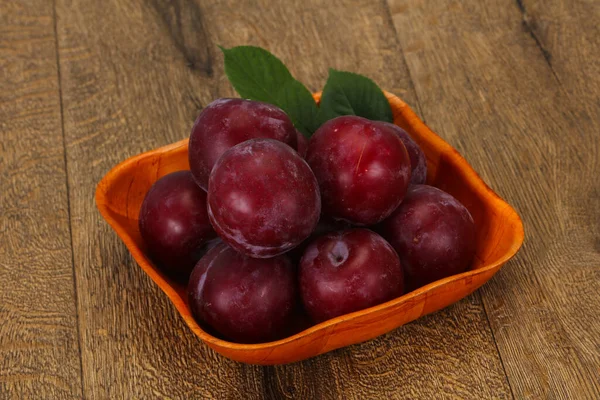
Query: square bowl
x=120, y=193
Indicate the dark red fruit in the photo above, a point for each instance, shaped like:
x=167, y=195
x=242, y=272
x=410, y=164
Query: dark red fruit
x=347, y=271
x=247, y=300
x=263, y=199
x=418, y=162
x=302, y=143
x=227, y=122
x=174, y=223
x=362, y=167
x=433, y=233
x=324, y=226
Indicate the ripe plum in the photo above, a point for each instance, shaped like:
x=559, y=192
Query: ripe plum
x=263, y=199
x=227, y=122
x=347, y=271
x=174, y=223
x=248, y=300
x=418, y=162
x=362, y=167
x=433, y=233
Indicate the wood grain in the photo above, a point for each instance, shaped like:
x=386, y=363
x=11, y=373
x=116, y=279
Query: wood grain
x=515, y=87
x=124, y=96
x=39, y=350
x=413, y=362
x=513, y=84
x=133, y=78
x=236, y=23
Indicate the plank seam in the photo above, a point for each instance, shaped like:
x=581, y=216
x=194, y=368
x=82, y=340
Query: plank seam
x=485, y=311
x=390, y=21
x=64, y=143
x=525, y=21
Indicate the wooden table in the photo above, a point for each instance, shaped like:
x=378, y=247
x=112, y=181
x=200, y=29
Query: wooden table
x=513, y=85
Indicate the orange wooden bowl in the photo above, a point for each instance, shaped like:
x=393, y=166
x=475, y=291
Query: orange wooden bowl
x=500, y=234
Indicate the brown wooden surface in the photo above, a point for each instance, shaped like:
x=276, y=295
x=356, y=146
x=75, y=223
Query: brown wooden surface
x=513, y=84
x=39, y=350
x=528, y=119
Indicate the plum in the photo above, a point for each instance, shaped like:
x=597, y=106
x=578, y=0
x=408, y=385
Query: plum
x=418, y=162
x=247, y=300
x=227, y=122
x=347, y=271
x=302, y=144
x=263, y=199
x=433, y=233
x=324, y=226
x=362, y=167
x=174, y=223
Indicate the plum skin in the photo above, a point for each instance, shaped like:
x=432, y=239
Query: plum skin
x=418, y=162
x=362, y=167
x=263, y=198
x=433, y=233
x=227, y=122
x=346, y=271
x=248, y=300
x=302, y=144
x=325, y=225
x=174, y=223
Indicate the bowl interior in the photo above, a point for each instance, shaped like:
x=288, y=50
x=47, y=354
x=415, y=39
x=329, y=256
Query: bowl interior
x=499, y=230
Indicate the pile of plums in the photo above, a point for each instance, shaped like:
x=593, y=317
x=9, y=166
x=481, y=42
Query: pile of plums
x=270, y=229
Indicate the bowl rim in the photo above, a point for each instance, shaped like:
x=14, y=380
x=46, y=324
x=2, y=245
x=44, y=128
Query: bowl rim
x=399, y=107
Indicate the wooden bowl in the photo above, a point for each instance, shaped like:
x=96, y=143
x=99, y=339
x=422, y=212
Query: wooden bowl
x=500, y=234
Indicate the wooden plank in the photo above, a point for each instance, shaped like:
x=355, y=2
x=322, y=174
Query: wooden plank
x=434, y=357
x=39, y=349
x=515, y=87
x=134, y=75
x=451, y=353
x=568, y=35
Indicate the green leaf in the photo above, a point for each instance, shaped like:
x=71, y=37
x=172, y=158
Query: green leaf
x=346, y=93
x=297, y=101
x=258, y=75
